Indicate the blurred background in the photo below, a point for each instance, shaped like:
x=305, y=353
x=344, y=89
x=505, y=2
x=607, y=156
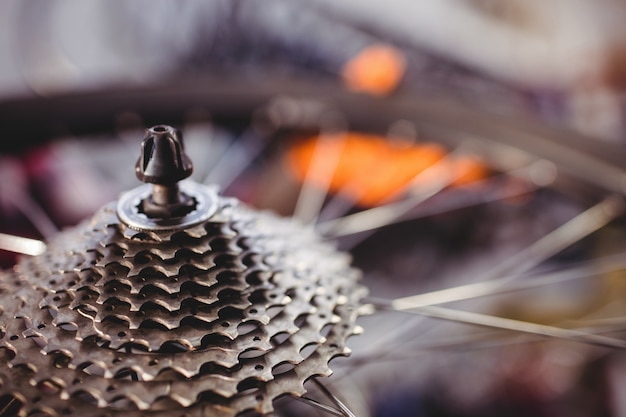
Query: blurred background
x=79, y=81
x=564, y=60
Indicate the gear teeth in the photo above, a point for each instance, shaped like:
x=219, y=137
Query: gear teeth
x=213, y=319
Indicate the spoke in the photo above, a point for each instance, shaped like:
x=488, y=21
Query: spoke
x=236, y=159
x=604, y=325
x=509, y=284
x=22, y=245
x=320, y=406
x=446, y=205
x=317, y=181
x=374, y=218
x=14, y=193
x=345, y=411
x=8, y=408
x=200, y=139
x=513, y=267
x=35, y=214
x=411, y=350
x=490, y=321
x=489, y=288
x=376, y=354
x=339, y=205
x=351, y=192
x=381, y=345
x=490, y=340
x=567, y=234
x=217, y=145
x=559, y=239
x=396, y=212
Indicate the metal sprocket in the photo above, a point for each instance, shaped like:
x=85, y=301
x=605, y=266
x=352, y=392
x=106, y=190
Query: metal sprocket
x=216, y=318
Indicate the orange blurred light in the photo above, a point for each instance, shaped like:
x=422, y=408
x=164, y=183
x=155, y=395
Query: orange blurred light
x=371, y=169
x=377, y=69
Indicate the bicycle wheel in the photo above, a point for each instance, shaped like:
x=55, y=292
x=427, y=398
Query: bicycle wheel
x=523, y=248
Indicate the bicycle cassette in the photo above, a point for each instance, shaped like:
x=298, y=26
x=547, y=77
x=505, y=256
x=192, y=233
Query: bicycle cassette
x=173, y=301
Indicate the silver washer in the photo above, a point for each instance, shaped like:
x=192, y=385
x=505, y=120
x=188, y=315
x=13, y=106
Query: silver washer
x=128, y=208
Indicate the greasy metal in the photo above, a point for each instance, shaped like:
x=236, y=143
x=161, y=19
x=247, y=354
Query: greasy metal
x=203, y=317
